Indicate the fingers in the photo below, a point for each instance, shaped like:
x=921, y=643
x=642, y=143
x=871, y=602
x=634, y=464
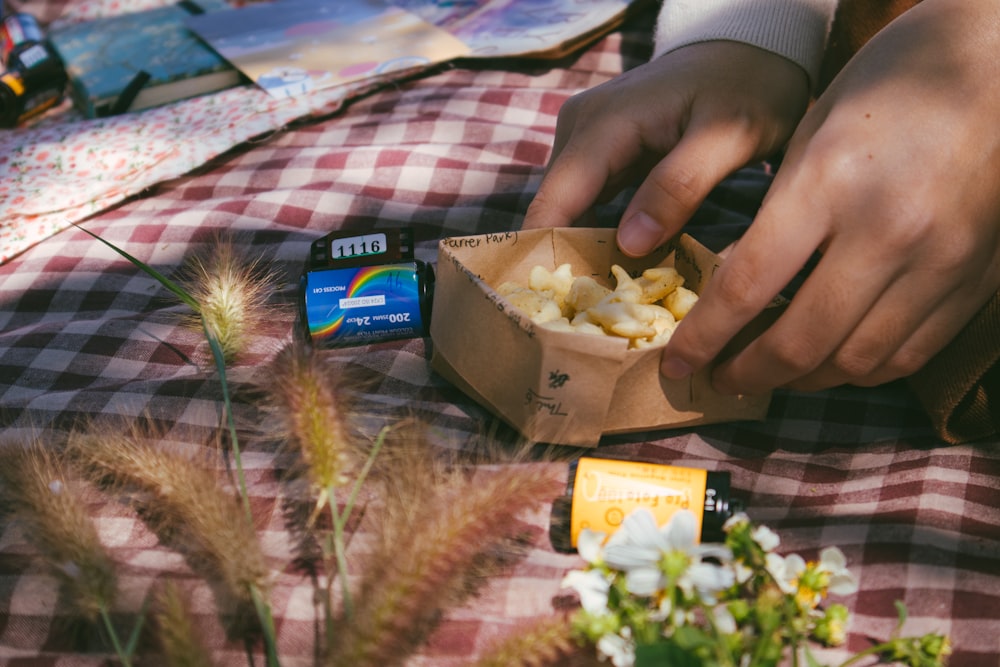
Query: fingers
x=914, y=318
x=858, y=319
x=764, y=261
x=832, y=319
x=567, y=192
x=589, y=152
x=709, y=108
x=675, y=188
x=588, y=161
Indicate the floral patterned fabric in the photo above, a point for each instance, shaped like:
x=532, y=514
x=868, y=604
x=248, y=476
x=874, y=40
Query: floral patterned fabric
x=67, y=168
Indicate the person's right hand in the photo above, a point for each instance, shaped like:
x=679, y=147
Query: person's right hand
x=688, y=119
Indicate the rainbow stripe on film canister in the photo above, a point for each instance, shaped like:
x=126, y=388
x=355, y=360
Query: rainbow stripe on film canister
x=349, y=297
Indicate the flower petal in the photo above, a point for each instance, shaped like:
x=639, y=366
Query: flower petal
x=843, y=583
x=832, y=559
x=643, y=581
x=592, y=587
x=681, y=532
x=717, y=551
x=766, y=538
x=628, y=557
x=735, y=520
x=794, y=565
x=619, y=649
x=589, y=543
x=708, y=578
x=640, y=528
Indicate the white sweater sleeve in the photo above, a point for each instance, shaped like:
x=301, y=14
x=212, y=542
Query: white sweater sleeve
x=795, y=29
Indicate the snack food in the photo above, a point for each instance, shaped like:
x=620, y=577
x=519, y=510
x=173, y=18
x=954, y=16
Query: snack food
x=644, y=309
x=566, y=388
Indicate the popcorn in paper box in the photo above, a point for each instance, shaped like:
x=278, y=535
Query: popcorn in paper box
x=563, y=387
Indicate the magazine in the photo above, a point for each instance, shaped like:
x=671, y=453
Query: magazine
x=291, y=47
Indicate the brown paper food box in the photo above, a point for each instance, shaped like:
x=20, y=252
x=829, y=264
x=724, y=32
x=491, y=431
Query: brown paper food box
x=560, y=387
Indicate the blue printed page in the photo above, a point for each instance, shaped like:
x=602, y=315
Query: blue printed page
x=291, y=47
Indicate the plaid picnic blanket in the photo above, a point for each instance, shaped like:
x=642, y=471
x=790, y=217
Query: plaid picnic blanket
x=86, y=335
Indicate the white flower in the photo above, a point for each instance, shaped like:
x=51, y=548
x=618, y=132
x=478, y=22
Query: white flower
x=619, y=648
x=724, y=620
x=639, y=542
x=766, y=538
x=663, y=611
x=589, y=545
x=735, y=520
x=639, y=548
x=707, y=579
x=806, y=582
x=741, y=571
x=785, y=571
x=833, y=562
x=592, y=586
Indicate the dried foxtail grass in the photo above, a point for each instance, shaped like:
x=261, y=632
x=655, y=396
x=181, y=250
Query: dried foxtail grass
x=179, y=639
x=314, y=418
x=541, y=644
x=37, y=489
x=232, y=289
x=180, y=498
x=422, y=566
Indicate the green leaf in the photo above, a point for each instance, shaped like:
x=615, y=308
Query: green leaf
x=901, y=612
x=811, y=660
x=153, y=273
x=690, y=637
x=664, y=653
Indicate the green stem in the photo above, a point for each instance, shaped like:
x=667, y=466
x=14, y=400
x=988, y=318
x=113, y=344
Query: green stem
x=871, y=650
x=795, y=639
x=267, y=625
x=356, y=490
x=340, y=519
x=220, y=364
x=126, y=658
x=329, y=547
x=722, y=653
x=133, y=640
x=790, y=611
x=340, y=553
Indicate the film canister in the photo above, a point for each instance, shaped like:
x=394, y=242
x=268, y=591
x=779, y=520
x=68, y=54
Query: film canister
x=18, y=31
x=34, y=79
x=365, y=288
x=600, y=493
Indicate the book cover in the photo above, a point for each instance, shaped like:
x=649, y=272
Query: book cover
x=290, y=47
x=523, y=28
x=142, y=59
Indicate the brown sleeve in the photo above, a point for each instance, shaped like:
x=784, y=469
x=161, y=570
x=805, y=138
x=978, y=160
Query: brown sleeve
x=855, y=22
x=960, y=387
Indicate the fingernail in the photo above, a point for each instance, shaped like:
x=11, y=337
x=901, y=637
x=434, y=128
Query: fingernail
x=639, y=235
x=675, y=368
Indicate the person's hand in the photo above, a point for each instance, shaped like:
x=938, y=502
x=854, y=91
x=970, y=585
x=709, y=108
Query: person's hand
x=692, y=116
x=894, y=176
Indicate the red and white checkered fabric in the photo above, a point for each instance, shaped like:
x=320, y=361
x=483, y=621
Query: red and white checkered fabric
x=84, y=334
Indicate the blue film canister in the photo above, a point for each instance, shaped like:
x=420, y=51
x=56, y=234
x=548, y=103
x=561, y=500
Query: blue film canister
x=365, y=288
